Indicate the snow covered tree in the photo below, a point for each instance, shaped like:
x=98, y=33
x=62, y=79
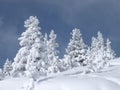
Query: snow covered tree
x=7, y=67
x=1, y=74
x=20, y=61
x=92, y=54
x=45, y=39
x=36, y=60
x=52, y=53
x=27, y=40
x=76, y=50
x=96, y=56
x=110, y=54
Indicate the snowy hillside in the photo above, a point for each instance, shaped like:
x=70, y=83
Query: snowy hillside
x=69, y=80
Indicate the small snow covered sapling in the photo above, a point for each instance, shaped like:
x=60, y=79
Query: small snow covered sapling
x=7, y=68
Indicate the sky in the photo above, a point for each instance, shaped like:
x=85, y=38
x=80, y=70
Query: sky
x=90, y=16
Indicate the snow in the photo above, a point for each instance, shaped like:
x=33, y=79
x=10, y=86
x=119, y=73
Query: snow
x=115, y=62
x=77, y=83
x=12, y=84
x=109, y=79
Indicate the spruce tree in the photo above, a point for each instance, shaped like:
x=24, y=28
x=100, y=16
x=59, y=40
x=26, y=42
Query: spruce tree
x=36, y=60
x=1, y=74
x=96, y=58
x=76, y=50
x=110, y=54
x=46, y=38
x=27, y=40
x=7, y=67
x=52, y=53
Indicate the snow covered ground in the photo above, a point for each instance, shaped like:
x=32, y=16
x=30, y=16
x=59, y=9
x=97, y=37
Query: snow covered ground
x=69, y=80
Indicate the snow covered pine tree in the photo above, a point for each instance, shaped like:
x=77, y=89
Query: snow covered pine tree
x=7, y=68
x=76, y=50
x=31, y=51
x=36, y=61
x=96, y=58
x=26, y=42
x=110, y=54
x=52, y=52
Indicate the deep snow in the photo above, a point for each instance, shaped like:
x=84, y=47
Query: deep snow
x=109, y=79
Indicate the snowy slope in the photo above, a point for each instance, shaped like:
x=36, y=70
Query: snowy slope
x=69, y=80
x=12, y=84
x=115, y=62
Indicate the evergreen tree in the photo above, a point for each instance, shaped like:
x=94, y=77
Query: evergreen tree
x=1, y=74
x=96, y=56
x=76, y=50
x=36, y=60
x=110, y=54
x=20, y=61
x=46, y=39
x=52, y=53
x=7, y=68
x=27, y=40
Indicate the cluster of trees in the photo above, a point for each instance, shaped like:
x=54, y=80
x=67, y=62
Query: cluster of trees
x=38, y=55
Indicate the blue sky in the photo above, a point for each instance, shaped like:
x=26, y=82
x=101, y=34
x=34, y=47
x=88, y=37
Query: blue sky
x=62, y=16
